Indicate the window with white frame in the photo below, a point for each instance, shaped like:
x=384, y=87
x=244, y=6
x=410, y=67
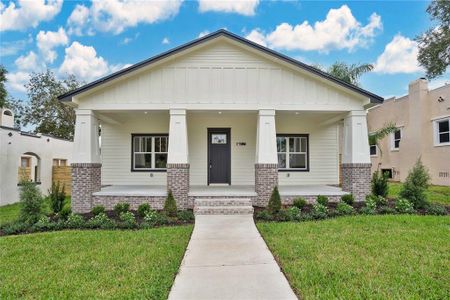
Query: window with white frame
x=373, y=150
x=396, y=137
x=442, y=132
x=293, y=152
x=149, y=152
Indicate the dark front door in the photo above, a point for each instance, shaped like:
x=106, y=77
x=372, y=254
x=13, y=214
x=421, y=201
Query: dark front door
x=219, y=155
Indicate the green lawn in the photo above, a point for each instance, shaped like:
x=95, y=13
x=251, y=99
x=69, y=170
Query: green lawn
x=364, y=257
x=9, y=213
x=435, y=193
x=92, y=264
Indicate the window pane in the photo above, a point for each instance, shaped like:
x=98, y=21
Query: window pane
x=444, y=126
x=297, y=161
x=444, y=137
x=397, y=144
x=397, y=135
x=373, y=150
x=282, y=161
x=157, y=144
x=163, y=144
x=294, y=144
x=142, y=161
x=148, y=144
x=160, y=161
x=217, y=138
x=137, y=143
x=281, y=144
x=303, y=145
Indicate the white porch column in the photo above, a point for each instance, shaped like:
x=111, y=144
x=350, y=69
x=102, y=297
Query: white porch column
x=86, y=163
x=177, y=160
x=356, y=156
x=266, y=165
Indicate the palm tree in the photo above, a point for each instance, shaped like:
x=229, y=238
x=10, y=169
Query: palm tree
x=377, y=136
x=348, y=73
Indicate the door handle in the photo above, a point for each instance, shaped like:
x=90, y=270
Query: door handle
x=210, y=165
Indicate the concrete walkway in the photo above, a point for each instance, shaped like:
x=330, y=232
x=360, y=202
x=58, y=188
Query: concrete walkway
x=227, y=259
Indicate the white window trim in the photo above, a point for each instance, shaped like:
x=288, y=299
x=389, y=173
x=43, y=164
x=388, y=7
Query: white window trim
x=287, y=152
x=436, y=132
x=376, y=151
x=152, y=152
x=392, y=139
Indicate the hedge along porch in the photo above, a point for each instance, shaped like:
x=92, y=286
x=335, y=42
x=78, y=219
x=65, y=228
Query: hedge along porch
x=218, y=111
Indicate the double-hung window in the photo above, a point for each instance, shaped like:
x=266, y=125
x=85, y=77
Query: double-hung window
x=149, y=152
x=396, y=137
x=442, y=132
x=293, y=152
x=373, y=150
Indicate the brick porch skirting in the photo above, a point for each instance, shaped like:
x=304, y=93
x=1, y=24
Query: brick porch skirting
x=155, y=202
x=266, y=178
x=178, y=183
x=289, y=200
x=86, y=179
x=356, y=179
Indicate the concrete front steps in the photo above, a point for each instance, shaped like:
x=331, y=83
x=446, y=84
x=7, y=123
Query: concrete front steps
x=223, y=206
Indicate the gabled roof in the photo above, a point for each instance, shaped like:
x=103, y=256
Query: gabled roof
x=68, y=96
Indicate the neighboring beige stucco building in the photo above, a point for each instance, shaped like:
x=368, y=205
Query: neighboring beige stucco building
x=423, y=118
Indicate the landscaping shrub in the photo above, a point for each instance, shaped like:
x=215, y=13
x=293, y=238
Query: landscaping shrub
x=379, y=184
x=31, y=202
x=371, y=205
x=415, y=185
x=143, y=209
x=300, y=202
x=403, y=206
x=185, y=215
x=319, y=211
x=343, y=209
x=323, y=200
x=121, y=207
x=386, y=210
x=100, y=221
x=15, y=227
x=56, y=195
x=283, y=215
x=294, y=212
x=436, y=209
x=377, y=200
x=170, y=205
x=274, y=202
x=65, y=211
x=348, y=198
x=43, y=224
x=99, y=209
x=75, y=221
x=127, y=220
x=152, y=218
x=264, y=215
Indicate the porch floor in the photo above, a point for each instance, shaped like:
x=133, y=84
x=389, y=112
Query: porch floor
x=229, y=190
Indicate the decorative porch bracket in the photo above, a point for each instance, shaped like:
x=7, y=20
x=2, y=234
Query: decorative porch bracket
x=86, y=163
x=177, y=160
x=266, y=166
x=356, y=158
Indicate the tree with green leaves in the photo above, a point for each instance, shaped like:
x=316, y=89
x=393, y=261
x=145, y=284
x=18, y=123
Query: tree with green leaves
x=377, y=136
x=350, y=73
x=3, y=93
x=415, y=186
x=44, y=110
x=434, y=44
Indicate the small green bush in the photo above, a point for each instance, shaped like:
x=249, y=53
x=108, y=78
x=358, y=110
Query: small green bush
x=101, y=221
x=386, y=210
x=15, y=227
x=436, y=209
x=300, y=202
x=367, y=210
x=319, y=211
x=370, y=205
x=306, y=217
x=274, y=202
x=323, y=200
x=415, y=185
x=43, y=224
x=75, y=221
x=185, y=215
x=379, y=184
x=65, y=211
x=98, y=209
x=283, y=215
x=56, y=195
x=348, y=198
x=403, y=206
x=121, y=207
x=264, y=215
x=170, y=205
x=127, y=220
x=143, y=209
x=153, y=218
x=378, y=200
x=343, y=209
x=295, y=213
x=31, y=202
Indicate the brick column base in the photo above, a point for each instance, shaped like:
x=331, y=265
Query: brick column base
x=86, y=179
x=178, y=183
x=356, y=179
x=266, y=178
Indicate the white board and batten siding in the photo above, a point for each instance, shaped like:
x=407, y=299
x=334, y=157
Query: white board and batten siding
x=221, y=75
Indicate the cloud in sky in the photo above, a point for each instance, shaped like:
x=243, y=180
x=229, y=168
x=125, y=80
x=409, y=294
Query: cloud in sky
x=243, y=7
x=47, y=41
x=203, y=33
x=27, y=13
x=339, y=30
x=399, y=56
x=165, y=41
x=115, y=16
